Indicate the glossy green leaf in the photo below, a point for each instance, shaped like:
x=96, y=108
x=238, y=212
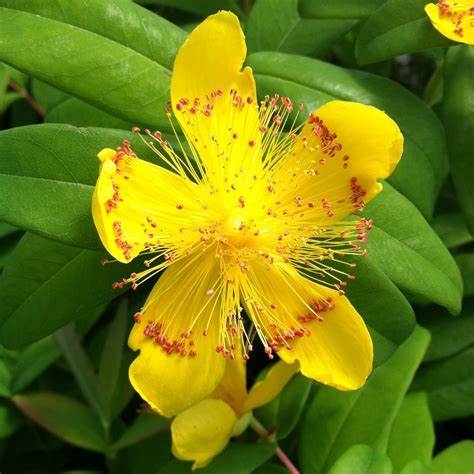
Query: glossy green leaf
x=411, y=254
x=55, y=167
x=412, y=436
x=458, y=115
x=416, y=467
x=397, y=27
x=338, y=420
x=398, y=321
x=65, y=417
x=276, y=25
x=125, y=74
x=348, y=9
x=145, y=426
x=458, y=458
x=448, y=335
x=465, y=262
x=362, y=459
x=452, y=229
x=60, y=283
x=449, y=384
x=81, y=367
x=314, y=83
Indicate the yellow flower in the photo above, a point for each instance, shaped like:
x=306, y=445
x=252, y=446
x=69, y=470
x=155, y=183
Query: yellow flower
x=453, y=19
x=245, y=217
x=201, y=432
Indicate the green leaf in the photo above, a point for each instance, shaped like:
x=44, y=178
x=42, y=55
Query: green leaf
x=416, y=467
x=125, y=74
x=449, y=384
x=65, y=417
x=144, y=426
x=58, y=282
x=411, y=254
x=56, y=166
x=291, y=403
x=10, y=420
x=314, y=83
x=112, y=357
x=37, y=357
x=338, y=420
x=81, y=114
x=451, y=229
x=458, y=117
x=397, y=27
x=412, y=436
x=458, y=458
x=362, y=459
x=82, y=369
x=348, y=9
x=5, y=379
x=448, y=335
x=398, y=321
x=465, y=262
x=276, y=25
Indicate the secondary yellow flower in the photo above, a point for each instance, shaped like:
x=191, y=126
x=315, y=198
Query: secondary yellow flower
x=201, y=432
x=453, y=19
x=245, y=217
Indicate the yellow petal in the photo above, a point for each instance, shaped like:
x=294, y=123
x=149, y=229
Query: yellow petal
x=202, y=431
x=311, y=324
x=266, y=390
x=207, y=73
x=233, y=386
x=135, y=204
x=453, y=19
x=178, y=365
x=339, y=155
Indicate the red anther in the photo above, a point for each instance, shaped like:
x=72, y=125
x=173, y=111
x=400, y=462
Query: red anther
x=251, y=143
x=134, y=286
x=103, y=262
x=235, y=136
x=246, y=357
x=137, y=317
x=136, y=130
x=192, y=353
x=179, y=206
x=249, y=100
x=351, y=277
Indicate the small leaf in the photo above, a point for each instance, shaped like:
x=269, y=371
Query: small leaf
x=407, y=444
x=338, y=420
x=449, y=384
x=65, y=417
x=458, y=458
x=458, y=117
x=145, y=426
x=362, y=459
x=397, y=27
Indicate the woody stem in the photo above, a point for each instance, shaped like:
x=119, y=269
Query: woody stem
x=265, y=435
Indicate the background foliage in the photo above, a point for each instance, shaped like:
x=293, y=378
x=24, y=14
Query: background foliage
x=75, y=76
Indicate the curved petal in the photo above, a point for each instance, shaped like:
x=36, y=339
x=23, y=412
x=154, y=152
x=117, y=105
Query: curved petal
x=177, y=337
x=453, y=19
x=214, y=101
x=202, y=431
x=136, y=204
x=266, y=390
x=311, y=324
x=336, y=161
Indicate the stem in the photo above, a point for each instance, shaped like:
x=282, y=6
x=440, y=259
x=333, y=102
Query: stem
x=265, y=435
x=24, y=93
